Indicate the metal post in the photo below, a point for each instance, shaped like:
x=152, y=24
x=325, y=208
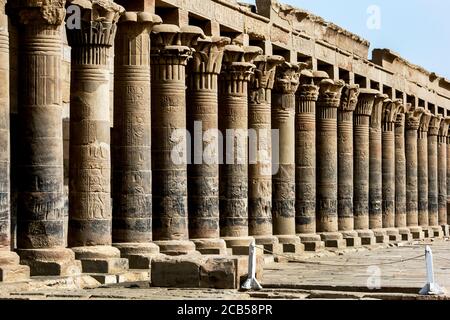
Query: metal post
x=251, y=283
x=431, y=288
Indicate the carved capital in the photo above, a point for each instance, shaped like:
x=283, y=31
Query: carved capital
x=330, y=93
x=366, y=100
x=443, y=130
x=425, y=121
x=318, y=76
x=287, y=78
x=238, y=62
x=377, y=112
x=50, y=12
x=138, y=19
x=208, y=55
x=172, y=45
x=391, y=110
x=263, y=78
x=435, y=125
x=349, y=98
x=413, y=118
x=401, y=114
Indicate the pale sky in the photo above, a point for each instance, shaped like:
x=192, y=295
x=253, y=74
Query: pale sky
x=419, y=30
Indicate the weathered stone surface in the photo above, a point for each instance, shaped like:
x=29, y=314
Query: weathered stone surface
x=442, y=173
x=433, y=196
x=422, y=174
x=400, y=170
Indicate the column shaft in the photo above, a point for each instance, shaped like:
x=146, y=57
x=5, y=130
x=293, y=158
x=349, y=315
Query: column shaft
x=203, y=173
x=400, y=170
x=442, y=174
x=422, y=170
x=433, y=196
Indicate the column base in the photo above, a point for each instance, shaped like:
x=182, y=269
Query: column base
x=176, y=247
x=367, y=237
x=139, y=255
x=428, y=232
x=446, y=230
x=437, y=231
x=406, y=234
x=238, y=245
x=381, y=236
x=351, y=238
x=312, y=242
x=50, y=262
x=101, y=259
x=291, y=244
x=417, y=233
x=210, y=246
x=10, y=269
x=270, y=244
x=333, y=240
x=394, y=235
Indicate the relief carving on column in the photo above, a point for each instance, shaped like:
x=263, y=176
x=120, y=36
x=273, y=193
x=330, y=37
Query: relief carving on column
x=366, y=100
x=50, y=12
x=208, y=55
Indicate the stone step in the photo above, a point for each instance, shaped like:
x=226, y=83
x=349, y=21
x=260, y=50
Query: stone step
x=14, y=273
x=105, y=266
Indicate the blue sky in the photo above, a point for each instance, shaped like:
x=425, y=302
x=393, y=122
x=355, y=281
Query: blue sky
x=419, y=30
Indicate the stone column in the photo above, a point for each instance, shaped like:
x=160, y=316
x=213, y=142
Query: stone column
x=422, y=174
x=203, y=174
x=305, y=162
x=260, y=144
x=400, y=174
x=361, y=144
x=448, y=178
x=283, y=182
x=90, y=210
x=349, y=100
x=172, y=47
x=390, y=111
x=131, y=141
x=433, y=190
x=10, y=270
x=233, y=113
x=413, y=118
x=442, y=175
x=376, y=168
x=327, y=162
x=40, y=181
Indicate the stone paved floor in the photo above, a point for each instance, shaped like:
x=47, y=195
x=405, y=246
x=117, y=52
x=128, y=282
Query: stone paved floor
x=286, y=280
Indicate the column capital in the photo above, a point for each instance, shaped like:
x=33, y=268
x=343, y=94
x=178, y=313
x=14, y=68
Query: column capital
x=366, y=100
x=288, y=77
x=263, y=78
x=139, y=18
x=208, y=55
x=413, y=118
x=435, y=125
x=318, y=76
x=377, y=111
x=47, y=12
x=349, y=98
x=443, y=130
x=391, y=108
x=401, y=114
x=425, y=121
x=238, y=62
x=173, y=45
x=98, y=30
x=330, y=93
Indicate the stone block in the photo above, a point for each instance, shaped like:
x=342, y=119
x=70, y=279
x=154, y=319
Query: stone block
x=314, y=246
x=139, y=261
x=14, y=273
x=109, y=266
x=194, y=271
x=295, y=248
x=353, y=242
x=104, y=278
x=133, y=276
x=335, y=243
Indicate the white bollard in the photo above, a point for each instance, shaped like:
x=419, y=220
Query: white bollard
x=251, y=283
x=431, y=288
